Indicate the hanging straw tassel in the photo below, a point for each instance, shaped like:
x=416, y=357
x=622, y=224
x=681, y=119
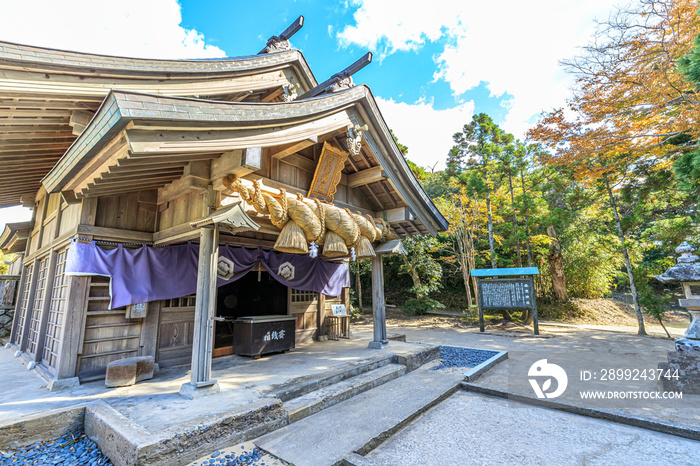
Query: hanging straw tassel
x=292, y=239
x=334, y=246
x=364, y=249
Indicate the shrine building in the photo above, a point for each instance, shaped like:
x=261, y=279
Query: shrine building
x=179, y=205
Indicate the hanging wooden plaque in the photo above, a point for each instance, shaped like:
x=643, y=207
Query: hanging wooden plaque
x=328, y=173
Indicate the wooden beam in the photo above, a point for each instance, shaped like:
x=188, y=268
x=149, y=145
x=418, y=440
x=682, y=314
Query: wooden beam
x=79, y=119
x=136, y=176
x=32, y=121
x=6, y=146
x=29, y=138
x=39, y=113
x=115, y=234
x=370, y=175
x=287, y=33
x=141, y=174
x=69, y=197
x=181, y=159
x=363, y=61
x=272, y=95
x=237, y=162
x=29, y=152
x=200, y=169
x=118, y=189
x=181, y=187
x=299, y=161
x=27, y=201
x=400, y=214
x=40, y=104
x=119, y=168
x=294, y=147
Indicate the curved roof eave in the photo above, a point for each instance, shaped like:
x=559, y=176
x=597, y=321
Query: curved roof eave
x=62, y=61
x=121, y=107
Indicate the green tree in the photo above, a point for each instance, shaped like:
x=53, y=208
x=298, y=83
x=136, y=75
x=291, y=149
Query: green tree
x=477, y=151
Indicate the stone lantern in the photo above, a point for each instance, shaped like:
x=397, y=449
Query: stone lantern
x=686, y=358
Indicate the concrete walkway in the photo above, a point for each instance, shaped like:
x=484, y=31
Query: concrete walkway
x=156, y=405
x=474, y=429
x=575, y=350
x=325, y=438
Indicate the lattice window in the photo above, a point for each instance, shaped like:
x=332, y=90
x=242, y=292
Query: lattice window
x=299, y=296
x=24, y=304
x=57, y=309
x=185, y=301
x=39, y=295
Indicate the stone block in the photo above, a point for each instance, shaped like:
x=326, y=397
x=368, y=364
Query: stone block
x=686, y=363
x=688, y=366
x=128, y=371
x=396, y=337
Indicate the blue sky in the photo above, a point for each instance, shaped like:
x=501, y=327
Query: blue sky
x=402, y=75
x=435, y=63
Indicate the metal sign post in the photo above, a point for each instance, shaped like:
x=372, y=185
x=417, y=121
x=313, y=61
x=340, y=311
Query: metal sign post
x=512, y=294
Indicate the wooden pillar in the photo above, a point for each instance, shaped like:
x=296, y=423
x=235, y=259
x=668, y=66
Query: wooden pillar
x=201, y=383
x=321, y=314
x=378, y=306
x=72, y=332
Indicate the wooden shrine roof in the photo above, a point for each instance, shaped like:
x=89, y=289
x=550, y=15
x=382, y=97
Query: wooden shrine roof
x=48, y=96
x=139, y=140
x=15, y=236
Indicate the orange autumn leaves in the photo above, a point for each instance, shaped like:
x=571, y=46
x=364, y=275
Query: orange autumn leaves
x=629, y=99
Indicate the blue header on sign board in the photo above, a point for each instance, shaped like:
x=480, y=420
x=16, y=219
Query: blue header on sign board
x=509, y=272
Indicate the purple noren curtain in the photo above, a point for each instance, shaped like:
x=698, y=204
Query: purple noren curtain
x=149, y=274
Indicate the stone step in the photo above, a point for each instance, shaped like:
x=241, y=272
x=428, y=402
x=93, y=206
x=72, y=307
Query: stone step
x=304, y=385
x=318, y=400
x=360, y=423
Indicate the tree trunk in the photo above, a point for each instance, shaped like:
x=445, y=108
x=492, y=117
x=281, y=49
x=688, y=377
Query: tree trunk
x=628, y=263
x=465, y=278
x=414, y=275
x=665, y=330
x=556, y=267
x=515, y=219
x=462, y=259
x=527, y=226
x=491, y=247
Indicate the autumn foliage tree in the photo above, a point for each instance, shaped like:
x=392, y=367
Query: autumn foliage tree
x=629, y=102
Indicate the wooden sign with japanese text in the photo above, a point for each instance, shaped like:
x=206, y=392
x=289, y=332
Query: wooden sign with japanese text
x=328, y=173
x=506, y=293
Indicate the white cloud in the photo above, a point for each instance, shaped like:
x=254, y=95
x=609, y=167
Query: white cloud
x=387, y=26
x=512, y=46
x=136, y=28
x=426, y=132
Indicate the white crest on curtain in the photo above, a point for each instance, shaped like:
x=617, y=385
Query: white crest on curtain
x=224, y=268
x=286, y=271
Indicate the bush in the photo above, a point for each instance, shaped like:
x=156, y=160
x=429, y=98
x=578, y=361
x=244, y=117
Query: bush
x=591, y=260
x=417, y=306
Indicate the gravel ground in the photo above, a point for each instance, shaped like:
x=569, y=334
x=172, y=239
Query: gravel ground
x=248, y=455
x=455, y=356
x=75, y=449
